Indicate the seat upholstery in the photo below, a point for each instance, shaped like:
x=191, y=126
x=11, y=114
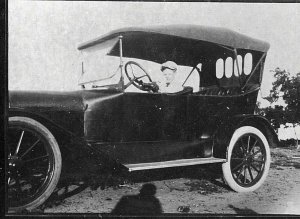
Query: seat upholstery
x=220, y=91
x=227, y=91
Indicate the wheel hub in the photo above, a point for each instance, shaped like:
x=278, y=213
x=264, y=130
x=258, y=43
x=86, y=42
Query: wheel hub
x=15, y=162
x=247, y=159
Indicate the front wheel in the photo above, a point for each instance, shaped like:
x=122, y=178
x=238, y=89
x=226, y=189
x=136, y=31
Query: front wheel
x=248, y=160
x=34, y=163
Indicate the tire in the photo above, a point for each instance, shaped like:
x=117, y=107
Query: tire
x=248, y=160
x=34, y=164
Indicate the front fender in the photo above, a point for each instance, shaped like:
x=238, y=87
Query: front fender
x=60, y=109
x=62, y=134
x=226, y=128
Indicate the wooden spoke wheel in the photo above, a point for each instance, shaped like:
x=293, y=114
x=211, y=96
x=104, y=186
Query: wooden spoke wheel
x=248, y=160
x=34, y=163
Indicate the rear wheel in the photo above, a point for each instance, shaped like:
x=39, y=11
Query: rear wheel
x=34, y=163
x=248, y=160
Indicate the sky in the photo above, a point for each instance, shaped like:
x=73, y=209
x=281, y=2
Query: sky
x=43, y=35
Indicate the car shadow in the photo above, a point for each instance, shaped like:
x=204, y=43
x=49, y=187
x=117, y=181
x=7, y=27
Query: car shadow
x=200, y=177
x=63, y=190
x=205, y=179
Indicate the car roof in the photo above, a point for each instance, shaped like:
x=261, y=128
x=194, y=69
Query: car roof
x=216, y=35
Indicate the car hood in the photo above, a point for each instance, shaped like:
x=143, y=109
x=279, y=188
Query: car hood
x=62, y=101
x=47, y=100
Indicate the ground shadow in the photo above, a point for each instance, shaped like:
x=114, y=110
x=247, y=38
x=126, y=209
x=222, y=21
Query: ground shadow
x=145, y=203
x=74, y=182
x=64, y=189
x=198, y=174
x=240, y=211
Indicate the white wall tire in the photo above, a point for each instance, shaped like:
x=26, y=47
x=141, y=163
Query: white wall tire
x=34, y=168
x=248, y=160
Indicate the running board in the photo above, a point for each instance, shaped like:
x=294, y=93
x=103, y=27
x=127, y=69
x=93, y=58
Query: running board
x=173, y=163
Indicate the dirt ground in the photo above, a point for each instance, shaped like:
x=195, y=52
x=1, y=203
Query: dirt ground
x=195, y=190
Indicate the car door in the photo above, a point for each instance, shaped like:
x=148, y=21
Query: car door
x=174, y=117
x=140, y=129
x=154, y=128
x=141, y=117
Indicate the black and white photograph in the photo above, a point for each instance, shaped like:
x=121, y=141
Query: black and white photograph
x=152, y=108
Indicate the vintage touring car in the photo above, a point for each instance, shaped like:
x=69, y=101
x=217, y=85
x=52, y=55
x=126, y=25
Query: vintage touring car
x=119, y=118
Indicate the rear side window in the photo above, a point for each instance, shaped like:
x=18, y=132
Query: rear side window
x=230, y=66
x=238, y=65
x=220, y=68
x=248, y=63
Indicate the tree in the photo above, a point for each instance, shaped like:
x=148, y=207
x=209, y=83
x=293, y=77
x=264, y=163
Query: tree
x=275, y=115
x=286, y=87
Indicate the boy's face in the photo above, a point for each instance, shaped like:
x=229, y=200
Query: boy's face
x=169, y=75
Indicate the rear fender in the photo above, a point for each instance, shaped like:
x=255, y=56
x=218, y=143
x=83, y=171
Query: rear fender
x=226, y=129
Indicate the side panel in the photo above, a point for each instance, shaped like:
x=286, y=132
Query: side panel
x=206, y=113
x=103, y=116
x=145, y=127
x=213, y=118
x=141, y=127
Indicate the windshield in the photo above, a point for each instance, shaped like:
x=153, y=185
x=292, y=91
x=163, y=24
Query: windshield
x=98, y=68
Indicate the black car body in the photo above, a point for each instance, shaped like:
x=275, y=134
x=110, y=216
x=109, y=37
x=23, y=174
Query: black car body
x=147, y=130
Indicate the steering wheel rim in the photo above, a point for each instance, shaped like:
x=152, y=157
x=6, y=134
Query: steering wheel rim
x=135, y=80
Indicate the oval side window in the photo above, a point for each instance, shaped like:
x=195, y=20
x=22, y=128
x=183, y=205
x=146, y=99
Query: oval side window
x=248, y=63
x=228, y=67
x=239, y=60
x=220, y=68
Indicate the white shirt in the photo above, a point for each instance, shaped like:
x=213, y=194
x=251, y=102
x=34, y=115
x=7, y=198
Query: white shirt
x=173, y=87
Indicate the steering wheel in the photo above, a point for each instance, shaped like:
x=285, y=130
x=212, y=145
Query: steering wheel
x=136, y=80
